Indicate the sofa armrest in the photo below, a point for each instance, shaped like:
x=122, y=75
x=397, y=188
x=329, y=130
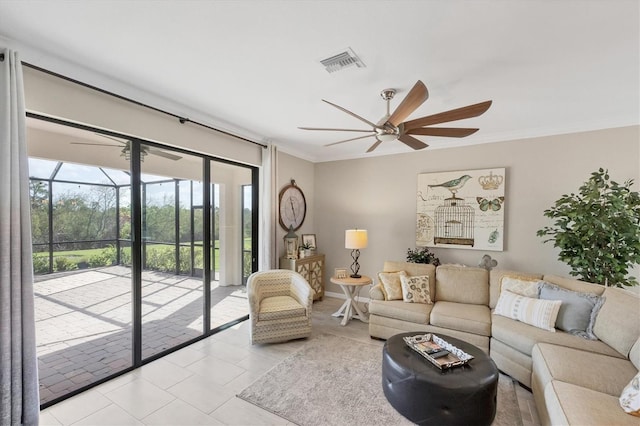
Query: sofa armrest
x=375, y=292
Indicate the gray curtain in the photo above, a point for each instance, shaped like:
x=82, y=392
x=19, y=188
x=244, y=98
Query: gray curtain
x=18, y=360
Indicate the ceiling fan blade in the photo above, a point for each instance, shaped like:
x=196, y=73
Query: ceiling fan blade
x=451, y=115
x=164, y=154
x=335, y=130
x=93, y=144
x=350, y=113
x=349, y=140
x=113, y=138
x=416, y=97
x=374, y=146
x=412, y=142
x=450, y=132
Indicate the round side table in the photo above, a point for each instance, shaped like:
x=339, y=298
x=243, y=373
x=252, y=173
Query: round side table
x=350, y=287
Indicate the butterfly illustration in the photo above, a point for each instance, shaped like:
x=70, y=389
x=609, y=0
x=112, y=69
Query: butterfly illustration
x=495, y=204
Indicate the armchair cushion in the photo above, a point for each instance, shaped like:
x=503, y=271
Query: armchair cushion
x=278, y=307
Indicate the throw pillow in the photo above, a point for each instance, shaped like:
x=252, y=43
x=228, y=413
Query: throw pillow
x=416, y=289
x=578, y=312
x=630, y=398
x=391, y=286
x=535, y=312
x=523, y=286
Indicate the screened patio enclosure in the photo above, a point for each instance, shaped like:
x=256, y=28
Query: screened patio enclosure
x=139, y=249
x=81, y=224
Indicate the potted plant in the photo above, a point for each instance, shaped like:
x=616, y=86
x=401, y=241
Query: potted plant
x=306, y=248
x=598, y=230
x=422, y=255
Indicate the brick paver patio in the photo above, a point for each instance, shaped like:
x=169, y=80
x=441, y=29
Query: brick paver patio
x=83, y=321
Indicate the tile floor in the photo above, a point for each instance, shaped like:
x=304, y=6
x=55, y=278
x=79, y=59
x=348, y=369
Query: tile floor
x=83, y=321
x=197, y=385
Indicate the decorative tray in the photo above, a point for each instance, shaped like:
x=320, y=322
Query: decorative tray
x=437, y=351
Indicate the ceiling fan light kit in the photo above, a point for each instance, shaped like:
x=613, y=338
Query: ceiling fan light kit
x=393, y=127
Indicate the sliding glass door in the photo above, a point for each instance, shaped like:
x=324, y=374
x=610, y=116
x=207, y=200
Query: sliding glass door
x=172, y=299
x=139, y=249
x=230, y=241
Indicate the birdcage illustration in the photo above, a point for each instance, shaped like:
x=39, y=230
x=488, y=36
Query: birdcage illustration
x=454, y=223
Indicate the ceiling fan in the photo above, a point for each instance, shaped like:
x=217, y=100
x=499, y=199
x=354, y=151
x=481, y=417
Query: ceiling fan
x=125, y=146
x=392, y=126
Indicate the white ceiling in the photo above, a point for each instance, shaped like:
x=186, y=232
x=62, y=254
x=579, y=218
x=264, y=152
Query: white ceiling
x=252, y=67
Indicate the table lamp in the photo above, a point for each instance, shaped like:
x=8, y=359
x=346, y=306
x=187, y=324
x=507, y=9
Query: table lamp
x=355, y=239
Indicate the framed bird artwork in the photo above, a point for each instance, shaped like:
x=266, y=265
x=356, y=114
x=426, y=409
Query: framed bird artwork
x=461, y=209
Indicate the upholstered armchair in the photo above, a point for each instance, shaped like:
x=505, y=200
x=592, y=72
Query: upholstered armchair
x=280, y=303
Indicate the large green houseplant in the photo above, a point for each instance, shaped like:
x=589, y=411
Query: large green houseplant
x=598, y=230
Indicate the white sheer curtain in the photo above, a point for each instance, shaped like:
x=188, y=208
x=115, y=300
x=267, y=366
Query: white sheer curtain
x=18, y=362
x=268, y=206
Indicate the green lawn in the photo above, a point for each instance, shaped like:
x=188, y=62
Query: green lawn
x=162, y=260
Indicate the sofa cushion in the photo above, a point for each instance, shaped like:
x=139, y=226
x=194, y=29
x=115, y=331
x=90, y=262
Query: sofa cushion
x=413, y=269
x=523, y=337
x=569, y=404
x=599, y=372
x=634, y=354
x=495, y=281
x=474, y=319
x=412, y=312
x=462, y=284
x=618, y=323
x=630, y=397
x=539, y=313
x=391, y=286
x=415, y=289
x=578, y=310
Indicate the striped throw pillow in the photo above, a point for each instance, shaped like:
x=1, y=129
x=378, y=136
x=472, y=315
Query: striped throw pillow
x=536, y=312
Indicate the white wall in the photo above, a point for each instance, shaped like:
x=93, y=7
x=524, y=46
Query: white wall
x=379, y=194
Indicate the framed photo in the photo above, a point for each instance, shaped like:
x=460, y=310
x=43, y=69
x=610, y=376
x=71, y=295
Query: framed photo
x=309, y=239
x=341, y=273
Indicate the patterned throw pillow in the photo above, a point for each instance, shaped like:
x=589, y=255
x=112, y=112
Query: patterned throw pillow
x=630, y=398
x=391, y=286
x=416, y=289
x=523, y=286
x=535, y=312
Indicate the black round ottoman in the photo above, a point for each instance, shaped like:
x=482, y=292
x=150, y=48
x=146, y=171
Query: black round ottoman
x=426, y=395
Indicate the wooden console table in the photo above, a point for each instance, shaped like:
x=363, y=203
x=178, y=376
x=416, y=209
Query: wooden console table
x=311, y=268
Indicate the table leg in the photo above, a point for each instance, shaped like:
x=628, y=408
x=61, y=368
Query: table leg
x=349, y=305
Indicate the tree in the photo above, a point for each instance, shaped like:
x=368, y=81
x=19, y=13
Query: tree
x=598, y=230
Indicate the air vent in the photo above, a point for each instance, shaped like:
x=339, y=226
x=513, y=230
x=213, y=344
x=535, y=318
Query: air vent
x=342, y=60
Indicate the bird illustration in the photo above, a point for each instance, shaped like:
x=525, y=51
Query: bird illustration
x=453, y=185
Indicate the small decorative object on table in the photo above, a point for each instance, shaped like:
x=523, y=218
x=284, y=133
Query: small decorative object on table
x=341, y=273
x=437, y=351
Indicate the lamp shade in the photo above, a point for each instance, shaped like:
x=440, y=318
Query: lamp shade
x=355, y=238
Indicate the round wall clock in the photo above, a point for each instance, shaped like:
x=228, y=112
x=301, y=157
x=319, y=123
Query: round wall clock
x=293, y=206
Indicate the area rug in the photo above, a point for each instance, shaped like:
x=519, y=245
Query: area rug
x=334, y=380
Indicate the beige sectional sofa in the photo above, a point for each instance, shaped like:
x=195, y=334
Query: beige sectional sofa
x=574, y=380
